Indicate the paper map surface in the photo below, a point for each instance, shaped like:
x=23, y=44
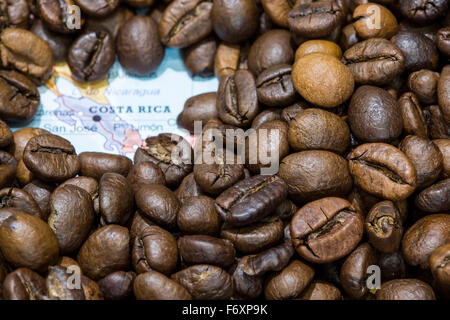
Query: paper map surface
x=116, y=114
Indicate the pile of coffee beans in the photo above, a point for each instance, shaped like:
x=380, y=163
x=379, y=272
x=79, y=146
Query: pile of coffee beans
x=358, y=208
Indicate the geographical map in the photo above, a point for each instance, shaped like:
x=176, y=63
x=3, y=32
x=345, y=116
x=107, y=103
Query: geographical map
x=116, y=114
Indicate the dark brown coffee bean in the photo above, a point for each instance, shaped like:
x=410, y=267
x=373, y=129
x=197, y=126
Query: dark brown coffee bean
x=289, y=113
x=6, y=136
x=159, y=204
x=139, y=48
x=290, y=282
x=245, y=285
x=201, y=107
x=71, y=217
x=413, y=116
x=384, y=227
x=315, y=19
x=420, y=52
x=383, y=171
x=326, y=230
x=426, y=158
x=320, y=290
x=318, y=129
x=105, y=251
x=405, y=289
x=374, y=61
x=19, y=199
x=266, y=116
x=115, y=199
x=57, y=283
x=392, y=266
x=40, y=192
x=256, y=237
x=112, y=23
x=198, y=215
x=14, y=14
x=374, y=115
x=91, y=56
x=199, y=57
x=251, y=200
x=51, y=158
x=443, y=41
x=374, y=21
x=8, y=169
x=95, y=164
x=145, y=173
x=24, y=284
x=423, y=237
x=27, y=241
x=217, y=177
x=237, y=101
x=274, y=86
x=19, y=98
x=439, y=266
x=437, y=127
x=423, y=12
x=188, y=188
x=171, y=153
x=444, y=147
x=98, y=8
x=155, y=249
x=117, y=285
x=205, y=282
x=56, y=14
x=88, y=184
x=278, y=10
x=233, y=21
x=21, y=138
x=424, y=85
x=185, y=22
x=354, y=271
x=444, y=93
x=147, y=286
x=435, y=198
x=315, y=174
x=230, y=58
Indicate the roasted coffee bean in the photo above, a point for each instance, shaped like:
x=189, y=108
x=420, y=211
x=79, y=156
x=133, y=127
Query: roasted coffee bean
x=274, y=86
x=354, y=271
x=23, y=175
x=384, y=26
x=237, y=101
x=91, y=290
x=201, y=249
x=326, y=230
x=217, y=177
x=384, y=227
x=278, y=10
x=289, y=113
x=138, y=225
x=21, y=138
x=374, y=115
x=443, y=41
x=91, y=56
x=314, y=174
x=155, y=249
x=184, y=23
x=19, y=98
x=59, y=43
x=405, y=289
x=188, y=188
x=145, y=173
x=328, y=82
x=318, y=129
x=435, y=198
x=318, y=46
x=423, y=84
x=67, y=262
x=51, y=158
x=349, y=37
x=437, y=127
x=423, y=237
x=439, y=266
x=270, y=49
x=57, y=14
x=205, y=282
x=14, y=14
x=426, y=158
x=71, y=217
x=199, y=57
x=266, y=116
x=444, y=147
x=392, y=266
x=24, y=284
x=58, y=285
x=19, y=199
x=27, y=241
x=256, y=237
x=444, y=93
x=112, y=23
x=201, y=107
x=374, y=61
x=235, y=21
x=198, y=215
x=6, y=136
x=171, y=153
x=98, y=8
x=383, y=171
x=320, y=290
x=289, y=282
x=423, y=12
x=105, y=251
x=139, y=48
x=117, y=285
x=315, y=19
x=245, y=285
x=413, y=117
x=420, y=52
x=96, y=164
x=115, y=199
x=147, y=286
x=88, y=184
x=251, y=200
x=230, y=58
x=8, y=168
